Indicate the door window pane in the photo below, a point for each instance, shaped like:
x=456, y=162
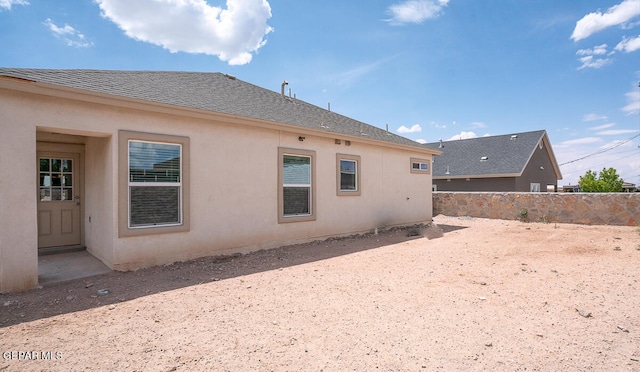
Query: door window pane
x=45, y=179
x=56, y=179
x=67, y=180
x=45, y=194
x=67, y=194
x=56, y=194
x=56, y=165
x=44, y=165
x=66, y=165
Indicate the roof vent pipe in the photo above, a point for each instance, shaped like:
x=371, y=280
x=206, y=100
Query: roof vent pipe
x=282, y=87
x=329, y=106
x=441, y=144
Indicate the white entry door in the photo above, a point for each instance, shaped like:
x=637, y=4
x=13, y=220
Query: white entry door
x=58, y=200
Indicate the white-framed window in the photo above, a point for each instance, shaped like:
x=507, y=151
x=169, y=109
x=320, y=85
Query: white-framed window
x=296, y=174
x=154, y=183
x=348, y=174
x=420, y=166
x=535, y=187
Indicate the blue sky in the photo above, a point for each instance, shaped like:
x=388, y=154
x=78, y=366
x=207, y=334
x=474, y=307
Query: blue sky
x=429, y=69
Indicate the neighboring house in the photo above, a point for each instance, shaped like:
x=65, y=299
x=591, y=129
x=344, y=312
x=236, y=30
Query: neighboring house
x=570, y=188
x=521, y=162
x=629, y=187
x=626, y=187
x=145, y=168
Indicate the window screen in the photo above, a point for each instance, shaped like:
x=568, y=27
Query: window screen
x=296, y=185
x=155, y=184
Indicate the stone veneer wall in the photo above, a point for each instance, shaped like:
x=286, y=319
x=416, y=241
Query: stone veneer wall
x=580, y=208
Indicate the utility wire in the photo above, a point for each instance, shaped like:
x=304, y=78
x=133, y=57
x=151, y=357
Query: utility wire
x=602, y=151
x=628, y=154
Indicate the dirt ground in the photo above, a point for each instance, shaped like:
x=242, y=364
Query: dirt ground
x=461, y=294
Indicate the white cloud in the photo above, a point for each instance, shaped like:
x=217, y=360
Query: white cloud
x=598, y=21
x=579, y=141
x=415, y=11
x=594, y=117
x=615, y=132
x=600, y=127
x=416, y=128
x=70, y=35
x=422, y=141
x=347, y=78
x=438, y=126
x=633, y=102
x=628, y=44
x=463, y=135
x=193, y=26
x=6, y=4
x=590, y=62
x=596, y=50
x=477, y=124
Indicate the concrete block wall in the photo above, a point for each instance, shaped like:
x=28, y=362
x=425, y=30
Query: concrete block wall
x=621, y=209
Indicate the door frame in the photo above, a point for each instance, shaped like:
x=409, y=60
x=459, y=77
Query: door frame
x=60, y=150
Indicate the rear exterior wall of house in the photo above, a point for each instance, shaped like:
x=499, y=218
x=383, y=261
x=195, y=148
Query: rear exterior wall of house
x=231, y=182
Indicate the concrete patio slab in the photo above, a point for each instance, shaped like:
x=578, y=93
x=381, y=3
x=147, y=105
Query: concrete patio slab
x=62, y=267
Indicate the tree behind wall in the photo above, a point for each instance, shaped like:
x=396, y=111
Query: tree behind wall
x=607, y=181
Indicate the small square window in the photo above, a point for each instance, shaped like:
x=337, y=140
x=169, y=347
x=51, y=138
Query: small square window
x=535, y=187
x=420, y=166
x=347, y=174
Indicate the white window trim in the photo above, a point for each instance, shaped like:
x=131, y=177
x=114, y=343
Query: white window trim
x=154, y=184
x=339, y=190
x=534, y=187
x=420, y=170
x=282, y=218
x=124, y=229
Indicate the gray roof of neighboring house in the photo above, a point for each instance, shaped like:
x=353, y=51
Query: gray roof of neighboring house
x=506, y=155
x=210, y=92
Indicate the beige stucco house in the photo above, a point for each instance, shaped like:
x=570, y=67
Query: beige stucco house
x=145, y=168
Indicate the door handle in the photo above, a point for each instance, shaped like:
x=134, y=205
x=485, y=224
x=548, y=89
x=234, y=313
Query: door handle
x=77, y=200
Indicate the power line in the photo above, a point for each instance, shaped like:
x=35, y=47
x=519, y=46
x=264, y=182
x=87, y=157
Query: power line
x=620, y=156
x=603, y=150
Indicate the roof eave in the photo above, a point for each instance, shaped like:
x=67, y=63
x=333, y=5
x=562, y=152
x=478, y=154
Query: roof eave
x=476, y=176
x=85, y=95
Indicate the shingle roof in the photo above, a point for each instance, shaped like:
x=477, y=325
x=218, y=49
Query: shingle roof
x=506, y=155
x=211, y=92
